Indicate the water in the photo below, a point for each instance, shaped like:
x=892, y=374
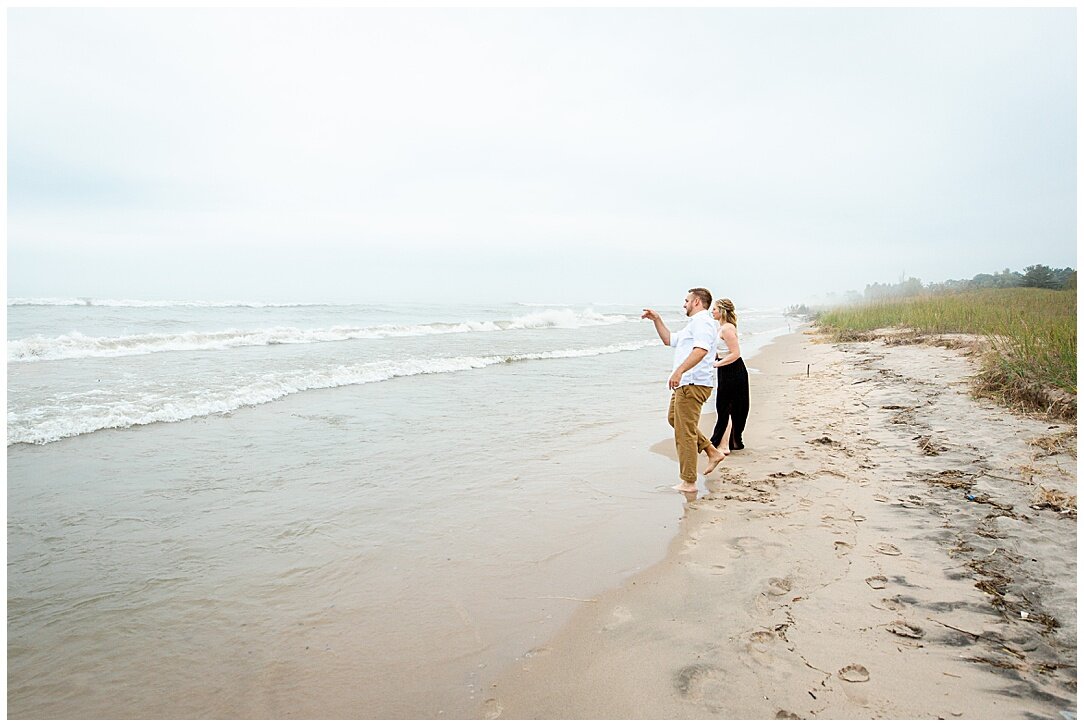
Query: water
x=223, y=510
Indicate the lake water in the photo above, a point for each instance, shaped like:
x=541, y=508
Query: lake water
x=254, y=510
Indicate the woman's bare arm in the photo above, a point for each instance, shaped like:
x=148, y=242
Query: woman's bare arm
x=729, y=333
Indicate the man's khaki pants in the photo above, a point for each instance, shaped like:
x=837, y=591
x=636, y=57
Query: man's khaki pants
x=684, y=417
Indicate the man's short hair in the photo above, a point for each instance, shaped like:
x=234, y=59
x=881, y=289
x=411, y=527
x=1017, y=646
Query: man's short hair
x=704, y=295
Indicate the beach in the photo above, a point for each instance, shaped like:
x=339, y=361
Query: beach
x=502, y=540
x=882, y=549
x=338, y=362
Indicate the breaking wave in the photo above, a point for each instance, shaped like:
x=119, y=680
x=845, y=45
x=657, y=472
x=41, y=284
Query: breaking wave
x=129, y=303
x=91, y=411
x=76, y=345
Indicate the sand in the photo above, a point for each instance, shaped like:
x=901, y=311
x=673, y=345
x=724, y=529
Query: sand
x=886, y=546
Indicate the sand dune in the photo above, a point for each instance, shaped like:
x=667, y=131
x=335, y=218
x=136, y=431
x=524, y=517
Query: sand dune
x=886, y=547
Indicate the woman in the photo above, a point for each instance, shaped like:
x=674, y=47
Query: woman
x=732, y=395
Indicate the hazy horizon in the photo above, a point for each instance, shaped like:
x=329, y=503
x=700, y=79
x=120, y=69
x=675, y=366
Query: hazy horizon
x=584, y=155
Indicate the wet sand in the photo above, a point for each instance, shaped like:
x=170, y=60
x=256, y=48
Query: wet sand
x=879, y=550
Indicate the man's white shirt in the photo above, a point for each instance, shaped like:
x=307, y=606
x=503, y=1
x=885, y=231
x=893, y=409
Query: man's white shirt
x=700, y=332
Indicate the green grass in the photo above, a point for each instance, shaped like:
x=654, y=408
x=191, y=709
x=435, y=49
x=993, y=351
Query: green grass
x=1031, y=335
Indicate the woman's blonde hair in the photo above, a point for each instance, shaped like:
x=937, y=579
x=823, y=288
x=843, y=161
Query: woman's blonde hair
x=726, y=309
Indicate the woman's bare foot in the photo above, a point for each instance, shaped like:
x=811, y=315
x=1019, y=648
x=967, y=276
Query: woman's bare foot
x=686, y=487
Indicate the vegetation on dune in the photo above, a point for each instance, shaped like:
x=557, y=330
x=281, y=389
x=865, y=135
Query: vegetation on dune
x=1030, y=360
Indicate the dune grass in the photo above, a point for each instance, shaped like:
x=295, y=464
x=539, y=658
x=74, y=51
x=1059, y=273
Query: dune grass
x=1031, y=334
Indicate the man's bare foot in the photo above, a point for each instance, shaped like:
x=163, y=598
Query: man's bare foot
x=714, y=460
x=686, y=487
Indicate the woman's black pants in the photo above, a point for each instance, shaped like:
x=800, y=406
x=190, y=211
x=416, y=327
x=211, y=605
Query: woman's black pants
x=732, y=402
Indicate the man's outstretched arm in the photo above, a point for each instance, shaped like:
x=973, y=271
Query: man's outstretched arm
x=660, y=327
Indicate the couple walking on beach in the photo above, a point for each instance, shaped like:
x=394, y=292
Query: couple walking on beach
x=697, y=353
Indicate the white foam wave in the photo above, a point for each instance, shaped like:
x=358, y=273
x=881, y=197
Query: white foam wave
x=771, y=332
x=128, y=303
x=544, y=305
x=76, y=345
x=62, y=419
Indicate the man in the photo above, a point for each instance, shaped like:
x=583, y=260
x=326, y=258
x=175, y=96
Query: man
x=691, y=382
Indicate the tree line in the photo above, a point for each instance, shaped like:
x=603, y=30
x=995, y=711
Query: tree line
x=1033, y=276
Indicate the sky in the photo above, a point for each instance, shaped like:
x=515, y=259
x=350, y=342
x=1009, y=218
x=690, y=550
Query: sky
x=607, y=155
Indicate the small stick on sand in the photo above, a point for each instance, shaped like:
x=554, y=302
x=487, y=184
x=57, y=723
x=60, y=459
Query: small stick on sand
x=822, y=671
x=975, y=636
x=555, y=598
x=984, y=473
x=1005, y=647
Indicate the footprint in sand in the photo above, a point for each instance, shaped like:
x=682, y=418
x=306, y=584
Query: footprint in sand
x=854, y=673
x=842, y=548
x=697, y=681
x=887, y=549
x=880, y=498
x=618, y=617
x=493, y=708
x=784, y=714
x=902, y=628
x=761, y=641
x=912, y=502
x=877, y=583
x=777, y=586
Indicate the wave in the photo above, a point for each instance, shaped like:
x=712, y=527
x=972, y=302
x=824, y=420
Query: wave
x=771, y=332
x=63, y=419
x=126, y=303
x=77, y=345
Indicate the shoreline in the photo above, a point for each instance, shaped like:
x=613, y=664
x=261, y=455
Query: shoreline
x=319, y=609
x=874, y=552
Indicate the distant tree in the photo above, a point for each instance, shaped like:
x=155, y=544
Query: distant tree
x=902, y=289
x=909, y=287
x=1007, y=279
x=877, y=291
x=1039, y=276
x=795, y=311
x=1065, y=278
x=950, y=286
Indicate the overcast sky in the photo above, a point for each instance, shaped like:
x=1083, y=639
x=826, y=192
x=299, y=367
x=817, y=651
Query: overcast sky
x=580, y=155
